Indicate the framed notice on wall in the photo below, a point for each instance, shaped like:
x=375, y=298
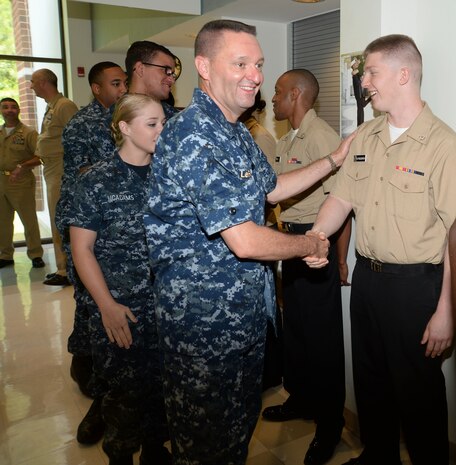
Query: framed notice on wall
x=354, y=97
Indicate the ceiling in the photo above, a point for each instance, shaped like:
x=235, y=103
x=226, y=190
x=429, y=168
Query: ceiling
x=184, y=33
x=280, y=11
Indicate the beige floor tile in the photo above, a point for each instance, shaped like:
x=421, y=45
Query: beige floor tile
x=41, y=406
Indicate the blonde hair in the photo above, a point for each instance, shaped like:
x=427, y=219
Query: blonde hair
x=127, y=108
x=400, y=47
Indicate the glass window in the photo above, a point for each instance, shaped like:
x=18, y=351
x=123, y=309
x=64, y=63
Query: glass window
x=30, y=39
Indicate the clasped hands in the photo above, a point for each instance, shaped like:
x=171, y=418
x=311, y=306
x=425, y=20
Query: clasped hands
x=320, y=246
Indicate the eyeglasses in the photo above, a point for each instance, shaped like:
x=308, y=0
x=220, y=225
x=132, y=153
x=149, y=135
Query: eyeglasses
x=168, y=70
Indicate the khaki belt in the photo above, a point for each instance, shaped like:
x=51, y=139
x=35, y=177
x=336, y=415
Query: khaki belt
x=6, y=173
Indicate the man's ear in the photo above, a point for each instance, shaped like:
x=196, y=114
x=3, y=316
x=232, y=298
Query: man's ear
x=138, y=68
x=295, y=92
x=95, y=88
x=404, y=76
x=202, y=66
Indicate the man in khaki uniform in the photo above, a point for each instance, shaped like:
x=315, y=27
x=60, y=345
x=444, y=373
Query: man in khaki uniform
x=49, y=148
x=312, y=305
x=399, y=180
x=17, y=185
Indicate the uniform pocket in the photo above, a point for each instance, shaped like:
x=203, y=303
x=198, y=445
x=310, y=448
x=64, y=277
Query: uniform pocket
x=406, y=195
x=360, y=173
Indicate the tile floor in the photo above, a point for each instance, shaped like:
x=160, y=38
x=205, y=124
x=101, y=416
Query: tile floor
x=41, y=407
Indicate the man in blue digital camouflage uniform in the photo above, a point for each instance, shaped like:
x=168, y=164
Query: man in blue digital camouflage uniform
x=152, y=70
x=109, y=199
x=209, y=249
x=86, y=140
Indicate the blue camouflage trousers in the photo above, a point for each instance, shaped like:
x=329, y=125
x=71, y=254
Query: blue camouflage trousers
x=132, y=405
x=212, y=404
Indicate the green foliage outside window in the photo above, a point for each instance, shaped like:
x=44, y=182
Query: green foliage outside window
x=8, y=71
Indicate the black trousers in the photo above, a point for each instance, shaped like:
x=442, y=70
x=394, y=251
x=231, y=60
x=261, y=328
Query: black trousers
x=314, y=367
x=395, y=384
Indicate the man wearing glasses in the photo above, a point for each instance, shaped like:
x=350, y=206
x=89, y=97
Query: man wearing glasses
x=152, y=70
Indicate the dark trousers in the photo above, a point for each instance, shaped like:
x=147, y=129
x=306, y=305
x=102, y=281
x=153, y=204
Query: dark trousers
x=314, y=366
x=395, y=384
x=212, y=404
x=133, y=405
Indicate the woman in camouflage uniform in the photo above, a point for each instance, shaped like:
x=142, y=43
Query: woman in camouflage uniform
x=110, y=254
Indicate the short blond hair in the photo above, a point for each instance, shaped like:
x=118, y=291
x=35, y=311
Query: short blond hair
x=401, y=48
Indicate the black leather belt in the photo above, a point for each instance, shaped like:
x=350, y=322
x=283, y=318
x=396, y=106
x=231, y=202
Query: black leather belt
x=296, y=228
x=393, y=268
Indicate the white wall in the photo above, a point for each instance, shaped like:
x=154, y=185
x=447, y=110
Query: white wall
x=80, y=54
x=431, y=25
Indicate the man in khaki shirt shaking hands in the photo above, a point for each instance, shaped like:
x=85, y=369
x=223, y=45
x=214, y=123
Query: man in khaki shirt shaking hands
x=399, y=180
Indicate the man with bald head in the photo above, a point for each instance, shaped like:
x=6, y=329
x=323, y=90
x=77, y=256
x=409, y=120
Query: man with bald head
x=49, y=148
x=314, y=373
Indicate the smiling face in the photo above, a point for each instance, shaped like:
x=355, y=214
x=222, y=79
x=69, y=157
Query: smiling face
x=141, y=133
x=10, y=112
x=156, y=82
x=381, y=78
x=233, y=74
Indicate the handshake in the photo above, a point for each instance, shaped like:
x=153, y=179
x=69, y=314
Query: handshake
x=319, y=246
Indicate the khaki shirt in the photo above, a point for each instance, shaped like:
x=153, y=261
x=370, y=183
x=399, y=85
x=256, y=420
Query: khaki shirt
x=403, y=194
x=314, y=140
x=264, y=139
x=60, y=111
x=17, y=147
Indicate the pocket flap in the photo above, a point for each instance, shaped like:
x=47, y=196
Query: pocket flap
x=359, y=171
x=408, y=182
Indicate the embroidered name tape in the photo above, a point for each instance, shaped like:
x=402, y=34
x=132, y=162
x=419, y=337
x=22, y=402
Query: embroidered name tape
x=359, y=158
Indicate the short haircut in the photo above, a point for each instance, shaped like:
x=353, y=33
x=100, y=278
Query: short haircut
x=143, y=51
x=126, y=109
x=304, y=79
x=400, y=47
x=48, y=76
x=9, y=99
x=206, y=40
x=96, y=72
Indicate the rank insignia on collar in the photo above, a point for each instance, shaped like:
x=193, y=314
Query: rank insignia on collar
x=246, y=174
x=359, y=158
